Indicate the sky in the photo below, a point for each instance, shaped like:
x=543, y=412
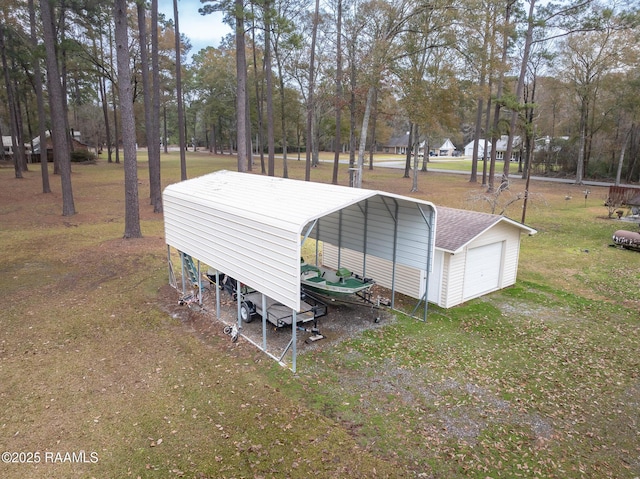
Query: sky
x=202, y=31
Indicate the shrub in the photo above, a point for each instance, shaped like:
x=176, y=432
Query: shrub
x=81, y=156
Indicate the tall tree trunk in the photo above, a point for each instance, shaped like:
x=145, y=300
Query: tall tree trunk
x=37, y=74
x=181, y=124
x=164, y=128
x=155, y=181
x=530, y=130
x=1, y=146
x=481, y=96
x=622, y=152
x=102, y=81
x=416, y=160
x=338, y=102
x=259, y=98
x=363, y=137
x=407, y=163
x=247, y=122
x=241, y=74
x=476, y=140
x=485, y=146
x=374, y=118
x=310, y=99
x=144, y=67
x=519, y=89
x=153, y=146
x=269, y=74
x=283, y=117
x=132, y=211
x=582, y=143
x=116, y=130
x=495, y=133
x=56, y=103
x=17, y=164
x=352, y=109
x=20, y=153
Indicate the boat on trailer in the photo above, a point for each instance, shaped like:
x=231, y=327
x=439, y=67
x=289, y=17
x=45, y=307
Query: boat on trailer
x=334, y=283
x=627, y=239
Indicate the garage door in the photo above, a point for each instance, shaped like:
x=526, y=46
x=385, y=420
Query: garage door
x=482, y=271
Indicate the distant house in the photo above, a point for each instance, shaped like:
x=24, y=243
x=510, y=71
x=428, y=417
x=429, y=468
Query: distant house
x=446, y=148
x=475, y=254
x=77, y=145
x=501, y=148
x=8, y=147
x=7, y=142
x=397, y=145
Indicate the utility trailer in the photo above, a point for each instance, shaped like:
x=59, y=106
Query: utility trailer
x=276, y=313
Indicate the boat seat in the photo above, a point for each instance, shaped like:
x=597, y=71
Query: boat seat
x=343, y=274
x=305, y=268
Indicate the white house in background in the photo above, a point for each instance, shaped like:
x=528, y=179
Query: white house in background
x=446, y=148
x=8, y=146
x=399, y=146
x=501, y=148
x=475, y=254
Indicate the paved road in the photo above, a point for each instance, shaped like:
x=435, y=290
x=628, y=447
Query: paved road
x=401, y=165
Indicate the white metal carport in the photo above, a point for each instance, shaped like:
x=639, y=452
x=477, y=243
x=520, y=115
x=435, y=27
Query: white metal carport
x=251, y=227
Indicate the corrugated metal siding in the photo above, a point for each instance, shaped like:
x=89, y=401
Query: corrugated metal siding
x=453, y=266
x=376, y=216
x=408, y=280
x=255, y=236
x=381, y=270
x=267, y=262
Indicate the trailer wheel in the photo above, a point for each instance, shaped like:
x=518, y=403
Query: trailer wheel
x=247, y=310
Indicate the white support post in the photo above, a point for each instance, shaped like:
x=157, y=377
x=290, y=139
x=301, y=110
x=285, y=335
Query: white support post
x=218, y=289
x=199, y=286
x=264, y=322
x=169, y=265
x=239, y=297
x=294, y=336
x=184, y=286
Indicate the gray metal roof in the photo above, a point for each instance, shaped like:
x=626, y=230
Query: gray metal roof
x=457, y=228
x=250, y=226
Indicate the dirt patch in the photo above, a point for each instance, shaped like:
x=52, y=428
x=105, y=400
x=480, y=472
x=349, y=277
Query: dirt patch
x=342, y=321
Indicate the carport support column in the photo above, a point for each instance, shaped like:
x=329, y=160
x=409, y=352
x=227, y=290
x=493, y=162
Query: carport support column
x=430, y=222
x=395, y=251
x=239, y=297
x=171, y=275
x=264, y=322
x=366, y=234
x=184, y=286
x=199, y=285
x=294, y=339
x=218, y=290
x=339, y=238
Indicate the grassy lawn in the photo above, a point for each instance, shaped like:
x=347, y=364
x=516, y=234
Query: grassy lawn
x=538, y=381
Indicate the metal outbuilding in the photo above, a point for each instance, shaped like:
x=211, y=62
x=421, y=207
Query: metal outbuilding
x=251, y=227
